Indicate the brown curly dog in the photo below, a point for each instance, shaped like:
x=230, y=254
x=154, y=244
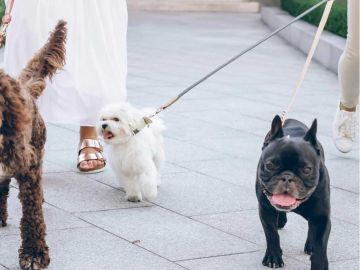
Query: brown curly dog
x=22, y=139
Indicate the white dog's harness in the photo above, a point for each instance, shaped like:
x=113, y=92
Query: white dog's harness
x=147, y=120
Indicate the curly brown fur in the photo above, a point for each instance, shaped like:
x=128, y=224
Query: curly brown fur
x=4, y=193
x=22, y=140
x=46, y=62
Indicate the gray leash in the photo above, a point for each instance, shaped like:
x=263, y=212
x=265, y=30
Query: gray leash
x=147, y=120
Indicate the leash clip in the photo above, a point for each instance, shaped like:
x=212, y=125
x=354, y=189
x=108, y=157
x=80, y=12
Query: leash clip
x=146, y=121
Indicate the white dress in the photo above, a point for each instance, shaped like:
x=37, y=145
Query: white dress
x=96, y=54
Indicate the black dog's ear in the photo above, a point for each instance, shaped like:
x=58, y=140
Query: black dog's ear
x=275, y=132
x=310, y=136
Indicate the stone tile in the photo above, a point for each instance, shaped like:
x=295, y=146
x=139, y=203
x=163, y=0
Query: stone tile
x=177, y=151
x=55, y=219
x=346, y=264
x=62, y=158
x=59, y=138
x=343, y=241
x=240, y=262
x=88, y=248
x=244, y=224
x=74, y=192
x=247, y=225
x=174, y=237
x=342, y=205
x=344, y=173
x=234, y=170
x=243, y=145
x=194, y=194
x=50, y=167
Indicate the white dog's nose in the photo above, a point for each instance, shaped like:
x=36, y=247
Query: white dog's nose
x=104, y=126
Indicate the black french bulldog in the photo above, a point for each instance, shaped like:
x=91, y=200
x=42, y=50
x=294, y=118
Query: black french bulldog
x=292, y=176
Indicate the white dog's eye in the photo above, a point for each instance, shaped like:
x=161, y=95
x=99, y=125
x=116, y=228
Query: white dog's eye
x=116, y=119
x=103, y=119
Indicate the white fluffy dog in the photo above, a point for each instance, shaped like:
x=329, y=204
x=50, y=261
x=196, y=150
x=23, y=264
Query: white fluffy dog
x=136, y=158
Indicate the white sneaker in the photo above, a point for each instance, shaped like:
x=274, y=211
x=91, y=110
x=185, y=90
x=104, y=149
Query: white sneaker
x=344, y=130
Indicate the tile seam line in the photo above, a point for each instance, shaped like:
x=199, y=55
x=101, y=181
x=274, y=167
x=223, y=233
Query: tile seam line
x=213, y=177
x=50, y=230
x=108, y=210
x=4, y=266
x=217, y=256
x=225, y=212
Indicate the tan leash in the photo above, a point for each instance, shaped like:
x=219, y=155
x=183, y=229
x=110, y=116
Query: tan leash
x=311, y=53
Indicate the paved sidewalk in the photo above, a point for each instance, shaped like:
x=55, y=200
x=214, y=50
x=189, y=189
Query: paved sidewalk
x=205, y=217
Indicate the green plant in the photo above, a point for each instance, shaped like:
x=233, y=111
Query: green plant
x=337, y=22
x=2, y=8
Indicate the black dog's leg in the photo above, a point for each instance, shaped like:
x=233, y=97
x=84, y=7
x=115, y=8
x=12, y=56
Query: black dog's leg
x=308, y=249
x=269, y=221
x=319, y=231
x=282, y=219
x=34, y=252
x=4, y=193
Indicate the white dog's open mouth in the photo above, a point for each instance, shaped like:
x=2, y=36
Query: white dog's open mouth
x=108, y=135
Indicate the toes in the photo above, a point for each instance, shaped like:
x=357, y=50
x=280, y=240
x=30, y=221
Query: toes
x=84, y=165
x=273, y=261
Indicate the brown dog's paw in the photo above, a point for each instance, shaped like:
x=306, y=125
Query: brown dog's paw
x=34, y=262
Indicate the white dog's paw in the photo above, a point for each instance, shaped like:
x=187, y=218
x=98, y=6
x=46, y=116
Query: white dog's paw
x=134, y=198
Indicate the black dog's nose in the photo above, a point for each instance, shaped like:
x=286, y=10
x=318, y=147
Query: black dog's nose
x=104, y=126
x=287, y=177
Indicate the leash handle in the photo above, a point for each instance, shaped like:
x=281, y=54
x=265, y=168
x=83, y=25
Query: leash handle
x=311, y=53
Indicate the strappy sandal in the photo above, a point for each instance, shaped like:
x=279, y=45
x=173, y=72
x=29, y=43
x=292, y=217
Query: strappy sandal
x=94, y=144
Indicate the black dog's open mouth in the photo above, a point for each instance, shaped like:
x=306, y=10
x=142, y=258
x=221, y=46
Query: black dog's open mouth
x=108, y=135
x=284, y=202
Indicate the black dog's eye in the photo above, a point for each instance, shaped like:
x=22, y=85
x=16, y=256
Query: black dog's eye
x=271, y=166
x=307, y=170
x=116, y=119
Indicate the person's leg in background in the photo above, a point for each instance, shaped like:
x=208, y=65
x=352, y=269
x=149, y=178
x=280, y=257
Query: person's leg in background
x=345, y=119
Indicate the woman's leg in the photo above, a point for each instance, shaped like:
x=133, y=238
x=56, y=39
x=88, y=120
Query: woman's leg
x=349, y=62
x=89, y=133
x=345, y=119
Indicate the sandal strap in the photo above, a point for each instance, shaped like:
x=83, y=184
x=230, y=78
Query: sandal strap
x=90, y=143
x=91, y=156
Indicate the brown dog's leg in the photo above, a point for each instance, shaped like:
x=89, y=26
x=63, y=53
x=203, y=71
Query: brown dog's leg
x=34, y=253
x=4, y=193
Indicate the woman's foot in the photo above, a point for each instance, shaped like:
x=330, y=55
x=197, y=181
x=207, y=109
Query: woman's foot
x=344, y=128
x=90, y=158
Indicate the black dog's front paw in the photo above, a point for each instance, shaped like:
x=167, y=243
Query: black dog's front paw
x=324, y=265
x=319, y=261
x=273, y=260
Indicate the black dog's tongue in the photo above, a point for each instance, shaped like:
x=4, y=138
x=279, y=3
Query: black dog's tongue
x=283, y=199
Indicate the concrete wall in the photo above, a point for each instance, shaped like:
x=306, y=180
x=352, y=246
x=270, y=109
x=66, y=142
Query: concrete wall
x=196, y=5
